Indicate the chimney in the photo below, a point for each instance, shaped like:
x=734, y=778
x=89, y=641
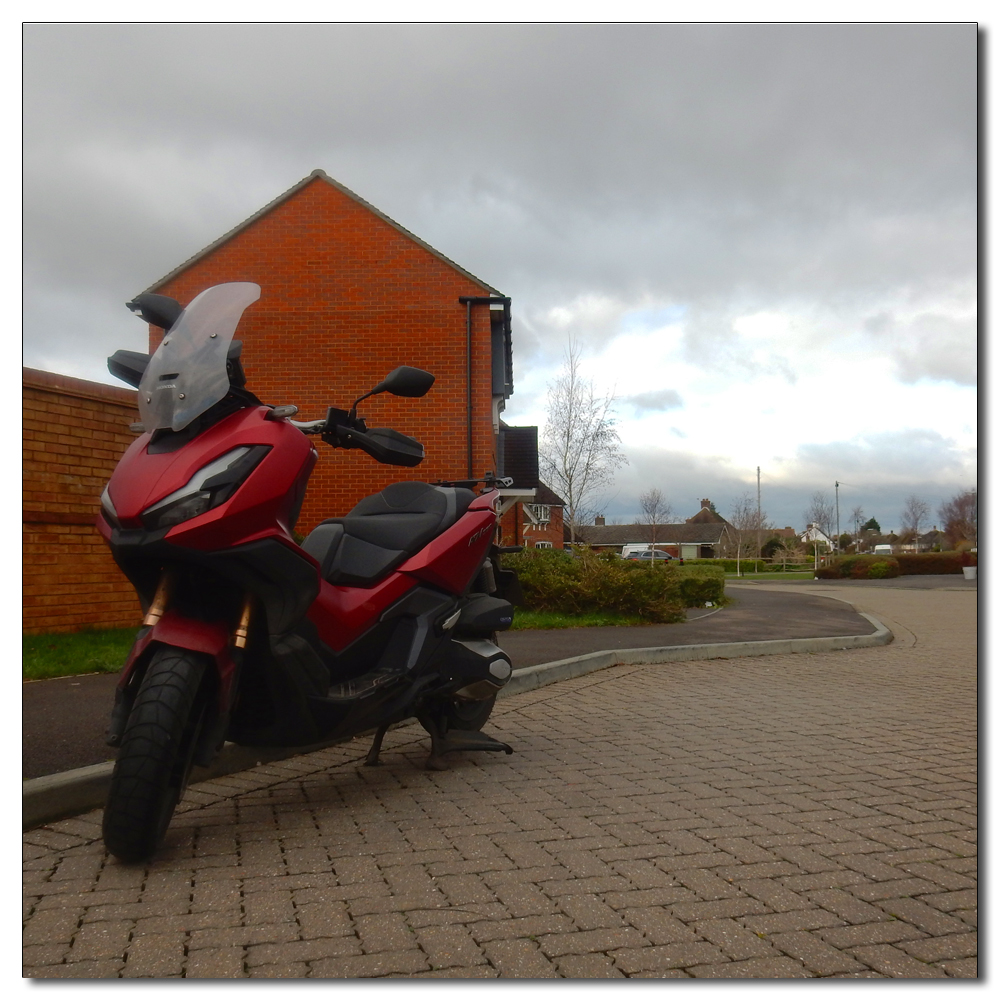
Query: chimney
x=706, y=503
x=599, y=520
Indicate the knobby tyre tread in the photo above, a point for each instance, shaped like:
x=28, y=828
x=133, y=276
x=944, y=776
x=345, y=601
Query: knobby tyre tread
x=154, y=760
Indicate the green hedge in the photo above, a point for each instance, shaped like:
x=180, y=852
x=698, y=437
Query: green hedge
x=859, y=568
x=586, y=583
x=915, y=564
x=729, y=565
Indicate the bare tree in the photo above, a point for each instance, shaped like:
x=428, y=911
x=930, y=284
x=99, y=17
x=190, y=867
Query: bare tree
x=857, y=519
x=915, y=513
x=748, y=523
x=580, y=446
x=960, y=518
x=820, y=512
x=656, y=510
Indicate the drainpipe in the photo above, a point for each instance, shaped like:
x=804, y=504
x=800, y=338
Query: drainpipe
x=469, y=301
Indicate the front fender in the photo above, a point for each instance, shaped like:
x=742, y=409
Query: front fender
x=211, y=638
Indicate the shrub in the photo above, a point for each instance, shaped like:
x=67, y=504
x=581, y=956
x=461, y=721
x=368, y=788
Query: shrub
x=915, y=564
x=968, y=558
x=859, y=568
x=588, y=583
x=729, y=565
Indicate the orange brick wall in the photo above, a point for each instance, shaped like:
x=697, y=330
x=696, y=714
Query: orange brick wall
x=74, y=433
x=345, y=298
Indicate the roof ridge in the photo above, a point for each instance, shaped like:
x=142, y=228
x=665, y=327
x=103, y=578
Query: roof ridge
x=317, y=174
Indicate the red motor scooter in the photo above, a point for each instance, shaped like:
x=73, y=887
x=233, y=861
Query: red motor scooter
x=388, y=613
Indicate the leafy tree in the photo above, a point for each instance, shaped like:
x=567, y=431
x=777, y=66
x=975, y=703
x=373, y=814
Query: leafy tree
x=771, y=546
x=844, y=541
x=872, y=525
x=580, y=447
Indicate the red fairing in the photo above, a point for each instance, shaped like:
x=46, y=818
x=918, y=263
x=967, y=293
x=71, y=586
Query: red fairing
x=342, y=614
x=188, y=633
x=453, y=558
x=259, y=508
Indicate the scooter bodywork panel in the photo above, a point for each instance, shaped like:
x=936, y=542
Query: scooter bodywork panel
x=454, y=557
x=142, y=479
x=343, y=614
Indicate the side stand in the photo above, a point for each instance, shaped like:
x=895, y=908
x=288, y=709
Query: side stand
x=456, y=739
x=372, y=759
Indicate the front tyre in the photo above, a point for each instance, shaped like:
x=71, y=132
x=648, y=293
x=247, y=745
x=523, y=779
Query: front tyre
x=156, y=753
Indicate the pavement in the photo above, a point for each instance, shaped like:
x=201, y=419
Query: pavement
x=779, y=816
x=64, y=720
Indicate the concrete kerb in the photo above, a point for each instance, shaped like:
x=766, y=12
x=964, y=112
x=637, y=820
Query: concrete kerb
x=56, y=796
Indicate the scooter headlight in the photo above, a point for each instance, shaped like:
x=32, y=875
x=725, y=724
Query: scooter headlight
x=208, y=487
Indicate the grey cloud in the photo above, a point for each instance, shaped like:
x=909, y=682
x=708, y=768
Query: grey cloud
x=877, y=474
x=890, y=457
x=686, y=163
x=656, y=401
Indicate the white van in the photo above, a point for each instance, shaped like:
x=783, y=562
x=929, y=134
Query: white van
x=882, y=550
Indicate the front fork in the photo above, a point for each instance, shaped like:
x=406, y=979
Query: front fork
x=162, y=625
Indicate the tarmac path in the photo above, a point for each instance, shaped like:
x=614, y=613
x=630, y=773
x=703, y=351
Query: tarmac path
x=781, y=816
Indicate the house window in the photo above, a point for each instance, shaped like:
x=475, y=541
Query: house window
x=540, y=512
x=543, y=545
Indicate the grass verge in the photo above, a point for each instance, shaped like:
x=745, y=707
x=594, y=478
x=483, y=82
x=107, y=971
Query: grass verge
x=553, y=619
x=66, y=654
x=772, y=577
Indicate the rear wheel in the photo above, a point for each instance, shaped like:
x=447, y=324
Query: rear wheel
x=469, y=716
x=156, y=753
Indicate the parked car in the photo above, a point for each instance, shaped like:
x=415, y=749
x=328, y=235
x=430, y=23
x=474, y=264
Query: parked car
x=648, y=556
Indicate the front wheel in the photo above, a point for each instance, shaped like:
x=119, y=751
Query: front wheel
x=156, y=753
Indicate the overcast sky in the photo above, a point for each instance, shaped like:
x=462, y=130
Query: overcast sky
x=763, y=236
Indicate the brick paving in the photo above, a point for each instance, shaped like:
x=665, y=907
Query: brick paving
x=791, y=816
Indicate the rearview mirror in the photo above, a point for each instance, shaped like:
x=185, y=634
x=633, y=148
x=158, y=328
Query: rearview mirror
x=406, y=381
x=160, y=310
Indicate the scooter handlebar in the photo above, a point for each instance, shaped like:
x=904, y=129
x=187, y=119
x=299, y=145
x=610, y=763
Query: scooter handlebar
x=383, y=444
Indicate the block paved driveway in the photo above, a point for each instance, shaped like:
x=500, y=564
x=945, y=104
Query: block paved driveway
x=809, y=815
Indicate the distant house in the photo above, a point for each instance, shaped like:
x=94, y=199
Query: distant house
x=531, y=513
x=706, y=535
x=933, y=541
x=707, y=515
x=814, y=533
x=785, y=534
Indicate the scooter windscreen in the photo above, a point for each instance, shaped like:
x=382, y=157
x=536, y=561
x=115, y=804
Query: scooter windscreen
x=187, y=374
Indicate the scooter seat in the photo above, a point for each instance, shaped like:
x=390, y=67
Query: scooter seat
x=384, y=530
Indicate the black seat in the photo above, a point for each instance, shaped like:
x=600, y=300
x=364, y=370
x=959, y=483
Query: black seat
x=384, y=530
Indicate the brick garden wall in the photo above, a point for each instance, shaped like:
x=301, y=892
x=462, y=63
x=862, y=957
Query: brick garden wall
x=74, y=433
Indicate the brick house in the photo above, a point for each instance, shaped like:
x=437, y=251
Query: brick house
x=347, y=294
x=706, y=535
